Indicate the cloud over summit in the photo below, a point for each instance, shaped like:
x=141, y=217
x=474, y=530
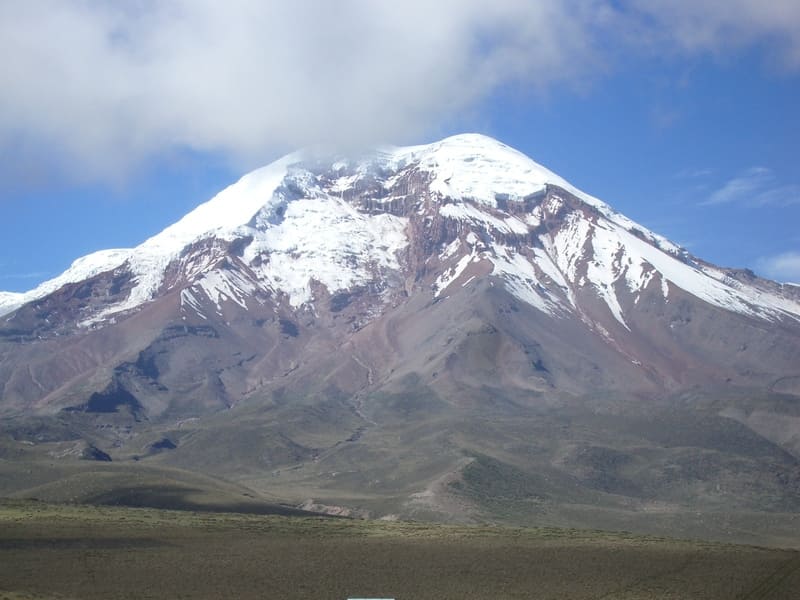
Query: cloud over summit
x=103, y=86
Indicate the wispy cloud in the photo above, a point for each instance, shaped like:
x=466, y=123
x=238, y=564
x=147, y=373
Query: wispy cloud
x=782, y=267
x=696, y=173
x=756, y=186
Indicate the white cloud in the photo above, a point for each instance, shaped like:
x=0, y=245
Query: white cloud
x=105, y=85
x=782, y=267
x=719, y=26
x=108, y=84
x=756, y=186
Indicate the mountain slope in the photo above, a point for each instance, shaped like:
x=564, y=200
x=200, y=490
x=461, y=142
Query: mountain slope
x=396, y=330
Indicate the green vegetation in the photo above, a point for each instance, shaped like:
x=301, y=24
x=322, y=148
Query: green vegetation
x=75, y=551
x=487, y=456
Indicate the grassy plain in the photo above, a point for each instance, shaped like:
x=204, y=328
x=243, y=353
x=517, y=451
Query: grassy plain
x=75, y=551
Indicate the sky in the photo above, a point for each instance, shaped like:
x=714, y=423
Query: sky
x=117, y=118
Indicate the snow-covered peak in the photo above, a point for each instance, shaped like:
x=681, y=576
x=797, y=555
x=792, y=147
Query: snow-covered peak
x=477, y=167
x=233, y=207
x=301, y=228
x=482, y=169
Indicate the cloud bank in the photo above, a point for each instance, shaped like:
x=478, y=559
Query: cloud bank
x=103, y=86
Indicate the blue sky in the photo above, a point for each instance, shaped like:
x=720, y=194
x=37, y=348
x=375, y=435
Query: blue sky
x=116, y=119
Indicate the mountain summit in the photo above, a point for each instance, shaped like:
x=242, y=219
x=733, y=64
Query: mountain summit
x=415, y=322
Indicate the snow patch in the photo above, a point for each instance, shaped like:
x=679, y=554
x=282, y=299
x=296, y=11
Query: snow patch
x=450, y=275
x=467, y=212
x=451, y=249
x=520, y=278
x=545, y=263
x=220, y=285
x=606, y=267
x=327, y=241
x=188, y=299
x=568, y=246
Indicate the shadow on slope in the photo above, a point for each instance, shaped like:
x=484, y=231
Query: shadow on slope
x=136, y=486
x=176, y=497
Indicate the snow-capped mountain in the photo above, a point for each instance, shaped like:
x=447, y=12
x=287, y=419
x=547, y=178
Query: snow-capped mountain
x=435, y=315
x=307, y=219
x=314, y=233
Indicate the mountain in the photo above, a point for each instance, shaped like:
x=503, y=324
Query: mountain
x=446, y=331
